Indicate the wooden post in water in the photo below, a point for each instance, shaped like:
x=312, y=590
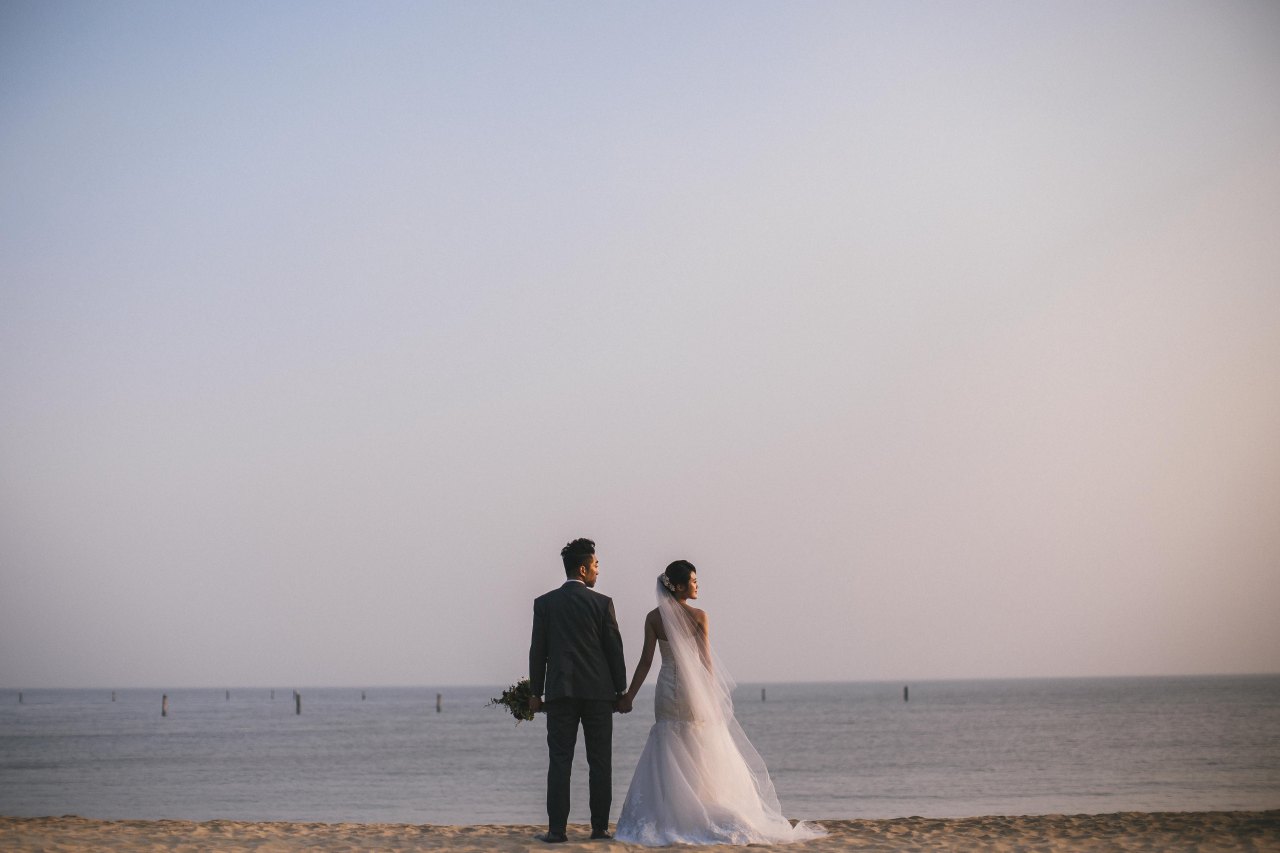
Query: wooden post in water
x=762, y=694
x=438, y=701
x=361, y=695
x=297, y=702
x=906, y=694
x=113, y=696
x=19, y=697
x=164, y=705
x=228, y=695
x=273, y=696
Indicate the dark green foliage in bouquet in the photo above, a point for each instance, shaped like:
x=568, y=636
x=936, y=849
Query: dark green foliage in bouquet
x=516, y=700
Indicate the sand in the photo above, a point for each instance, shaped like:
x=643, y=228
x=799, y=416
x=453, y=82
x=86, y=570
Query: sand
x=1130, y=831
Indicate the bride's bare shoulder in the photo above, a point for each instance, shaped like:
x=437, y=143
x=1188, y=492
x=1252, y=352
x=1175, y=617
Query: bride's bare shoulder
x=699, y=616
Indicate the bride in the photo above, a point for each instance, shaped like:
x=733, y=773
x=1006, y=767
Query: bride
x=699, y=780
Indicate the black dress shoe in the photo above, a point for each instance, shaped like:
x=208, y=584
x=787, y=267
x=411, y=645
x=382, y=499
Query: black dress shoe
x=600, y=833
x=552, y=838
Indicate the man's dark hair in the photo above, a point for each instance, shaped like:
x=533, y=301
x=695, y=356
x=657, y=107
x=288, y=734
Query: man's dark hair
x=577, y=553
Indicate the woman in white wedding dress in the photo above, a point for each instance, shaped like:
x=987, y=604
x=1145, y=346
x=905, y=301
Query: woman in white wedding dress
x=699, y=780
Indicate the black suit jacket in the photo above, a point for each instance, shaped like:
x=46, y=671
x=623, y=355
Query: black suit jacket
x=576, y=649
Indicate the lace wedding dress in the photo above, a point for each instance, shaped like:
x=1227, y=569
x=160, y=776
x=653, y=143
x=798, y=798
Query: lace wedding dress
x=699, y=780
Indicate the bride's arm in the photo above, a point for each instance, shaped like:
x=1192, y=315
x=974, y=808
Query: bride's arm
x=646, y=660
x=704, y=638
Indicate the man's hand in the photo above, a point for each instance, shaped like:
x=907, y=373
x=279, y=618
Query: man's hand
x=535, y=703
x=623, y=705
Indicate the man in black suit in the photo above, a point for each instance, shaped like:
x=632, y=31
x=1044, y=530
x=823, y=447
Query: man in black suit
x=575, y=659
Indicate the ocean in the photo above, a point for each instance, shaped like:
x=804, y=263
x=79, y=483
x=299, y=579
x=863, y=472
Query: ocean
x=954, y=749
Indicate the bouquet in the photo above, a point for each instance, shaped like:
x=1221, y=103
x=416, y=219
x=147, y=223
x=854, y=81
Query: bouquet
x=516, y=700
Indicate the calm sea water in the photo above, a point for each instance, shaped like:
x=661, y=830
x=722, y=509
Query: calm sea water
x=834, y=750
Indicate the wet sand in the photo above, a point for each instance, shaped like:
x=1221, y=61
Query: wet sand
x=1130, y=831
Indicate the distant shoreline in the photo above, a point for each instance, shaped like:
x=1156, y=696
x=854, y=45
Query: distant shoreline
x=743, y=683
x=1125, y=831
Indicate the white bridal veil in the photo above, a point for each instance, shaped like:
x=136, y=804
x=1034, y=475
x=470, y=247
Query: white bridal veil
x=699, y=779
x=705, y=687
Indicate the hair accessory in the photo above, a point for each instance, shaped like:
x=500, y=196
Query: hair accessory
x=666, y=581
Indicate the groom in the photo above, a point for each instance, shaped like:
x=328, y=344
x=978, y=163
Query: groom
x=575, y=658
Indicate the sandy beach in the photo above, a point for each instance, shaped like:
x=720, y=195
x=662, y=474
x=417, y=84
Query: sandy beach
x=1130, y=831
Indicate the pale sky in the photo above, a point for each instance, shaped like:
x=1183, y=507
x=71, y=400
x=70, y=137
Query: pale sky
x=943, y=337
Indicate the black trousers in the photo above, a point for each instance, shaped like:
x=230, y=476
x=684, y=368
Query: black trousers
x=563, y=717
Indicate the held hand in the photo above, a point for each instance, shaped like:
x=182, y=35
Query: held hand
x=624, y=704
x=535, y=703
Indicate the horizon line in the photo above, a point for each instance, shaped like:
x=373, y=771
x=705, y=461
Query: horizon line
x=740, y=683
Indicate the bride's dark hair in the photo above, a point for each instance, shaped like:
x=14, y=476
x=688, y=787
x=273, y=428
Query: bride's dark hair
x=678, y=575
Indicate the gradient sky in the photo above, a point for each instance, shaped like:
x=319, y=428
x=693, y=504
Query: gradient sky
x=943, y=337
